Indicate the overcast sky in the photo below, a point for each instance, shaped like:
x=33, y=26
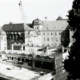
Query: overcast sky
x=9, y=10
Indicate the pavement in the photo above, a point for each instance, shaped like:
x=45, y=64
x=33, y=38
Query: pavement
x=10, y=72
x=15, y=73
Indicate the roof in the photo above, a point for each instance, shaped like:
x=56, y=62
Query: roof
x=30, y=25
x=59, y=18
x=68, y=27
x=37, y=22
x=55, y=25
x=13, y=27
x=19, y=27
x=28, y=28
x=47, y=25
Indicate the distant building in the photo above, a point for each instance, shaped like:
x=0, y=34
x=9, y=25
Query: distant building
x=38, y=34
x=29, y=38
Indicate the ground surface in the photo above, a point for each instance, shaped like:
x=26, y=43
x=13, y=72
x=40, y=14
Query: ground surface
x=15, y=73
x=10, y=72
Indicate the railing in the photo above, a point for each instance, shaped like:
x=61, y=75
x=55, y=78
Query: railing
x=20, y=51
x=15, y=51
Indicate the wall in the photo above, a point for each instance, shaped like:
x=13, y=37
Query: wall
x=3, y=41
x=51, y=38
x=60, y=72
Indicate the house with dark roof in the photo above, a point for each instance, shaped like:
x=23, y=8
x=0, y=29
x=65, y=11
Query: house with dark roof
x=51, y=32
x=25, y=41
x=38, y=33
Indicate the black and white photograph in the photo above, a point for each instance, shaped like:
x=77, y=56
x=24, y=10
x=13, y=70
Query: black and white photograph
x=39, y=39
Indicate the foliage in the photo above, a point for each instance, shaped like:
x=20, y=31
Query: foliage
x=65, y=38
x=72, y=64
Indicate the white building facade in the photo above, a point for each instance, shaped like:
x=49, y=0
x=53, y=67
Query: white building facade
x=33, y=36
x=3, y=41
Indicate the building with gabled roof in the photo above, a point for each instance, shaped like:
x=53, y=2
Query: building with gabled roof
x=28, y=39
x=55, y=25
x=19, y=27
x=38, y=33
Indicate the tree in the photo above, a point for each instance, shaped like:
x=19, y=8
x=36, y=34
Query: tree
x=72, y=63
x=65, y=37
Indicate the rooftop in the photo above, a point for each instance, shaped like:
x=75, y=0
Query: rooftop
x=59, y=18
x=55, y=25
x=16, y=73
x=19, y=27
x=59, y=24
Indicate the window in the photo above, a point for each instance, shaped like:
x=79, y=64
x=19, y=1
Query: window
x=51, y=34
x=18, y=59
x=47, y=39
x=23, y=60
x=37, y=27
